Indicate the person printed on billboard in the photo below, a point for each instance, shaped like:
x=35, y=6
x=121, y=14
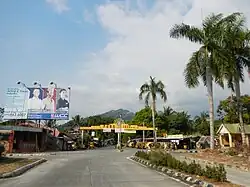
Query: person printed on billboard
x=35, y=103
x=48, y=101
x=62, y=102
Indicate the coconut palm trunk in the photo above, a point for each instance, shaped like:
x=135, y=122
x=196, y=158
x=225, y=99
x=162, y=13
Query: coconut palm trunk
x=153, y=119
x=211, y=104
x=209, y=80
x=239, y=108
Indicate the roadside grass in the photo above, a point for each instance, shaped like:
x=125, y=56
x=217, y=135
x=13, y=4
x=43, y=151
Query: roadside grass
x=11, y=164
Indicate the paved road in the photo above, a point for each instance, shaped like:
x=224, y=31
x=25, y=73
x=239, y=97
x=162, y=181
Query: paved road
x=96, y=168
x=233, y=175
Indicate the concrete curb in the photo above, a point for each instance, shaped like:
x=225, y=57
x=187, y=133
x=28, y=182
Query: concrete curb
x=26, y=154
x=186, y=179
x=207, y=162
x=22, y=169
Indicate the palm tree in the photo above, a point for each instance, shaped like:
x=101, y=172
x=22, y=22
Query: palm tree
x=168, y=111
x=204, y=62
x=237, y=48
x=201, y=123
x=151, y=90
x=76, y=120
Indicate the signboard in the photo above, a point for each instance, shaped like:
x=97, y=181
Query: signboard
x=117, y=130
x=37, y=103
x=115, y=126
x=106, y=130
x=130, y=131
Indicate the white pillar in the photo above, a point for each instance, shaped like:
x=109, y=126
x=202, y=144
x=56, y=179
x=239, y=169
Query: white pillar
x=221, y=141
x=82, y=138
x=230, y=140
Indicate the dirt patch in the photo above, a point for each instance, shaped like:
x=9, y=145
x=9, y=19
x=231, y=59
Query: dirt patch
x=217, y=184
x=221, y=157
x=11, y=164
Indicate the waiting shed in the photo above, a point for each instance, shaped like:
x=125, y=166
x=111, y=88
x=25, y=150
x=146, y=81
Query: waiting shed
x=230, y=134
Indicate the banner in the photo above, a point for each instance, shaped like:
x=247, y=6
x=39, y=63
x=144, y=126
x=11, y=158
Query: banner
x=37, y=103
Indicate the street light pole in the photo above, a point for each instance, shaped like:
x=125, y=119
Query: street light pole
x=119, y=133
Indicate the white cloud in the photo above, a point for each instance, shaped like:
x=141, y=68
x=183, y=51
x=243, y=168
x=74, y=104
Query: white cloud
x=88, y=16
x=140, y=46
x=59, y=5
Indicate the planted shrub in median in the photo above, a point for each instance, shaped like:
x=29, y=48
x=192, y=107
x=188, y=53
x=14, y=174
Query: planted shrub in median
x=158, y=158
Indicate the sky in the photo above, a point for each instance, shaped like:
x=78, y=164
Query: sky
x=105, y=49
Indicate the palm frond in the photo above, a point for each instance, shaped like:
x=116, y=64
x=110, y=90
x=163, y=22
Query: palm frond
x=210, y=22
x=191, y=33
x=192, y=71
x=147, y=97
x=144, y=89
x=163, y=94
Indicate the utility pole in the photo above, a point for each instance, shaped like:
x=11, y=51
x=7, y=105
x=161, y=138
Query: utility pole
x=119, y=133
x=82, y=138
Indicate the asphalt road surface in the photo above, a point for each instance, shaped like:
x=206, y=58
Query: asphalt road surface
x=93, y=168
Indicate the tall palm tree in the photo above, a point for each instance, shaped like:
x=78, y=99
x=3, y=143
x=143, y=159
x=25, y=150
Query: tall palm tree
x=151, y=89
x=236, y=45
x=204, y=62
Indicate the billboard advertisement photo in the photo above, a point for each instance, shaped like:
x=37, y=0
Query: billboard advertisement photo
x=41, y=103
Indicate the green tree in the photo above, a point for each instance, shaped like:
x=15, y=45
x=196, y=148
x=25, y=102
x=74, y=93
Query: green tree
x=1, y=113
x=236, y=45
x=201, y=123
x=151, y=90
x=179, y=123
x=203, y=63
x=143, y=116
x=227, y=109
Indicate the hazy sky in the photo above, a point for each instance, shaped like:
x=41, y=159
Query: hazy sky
x=105, y=49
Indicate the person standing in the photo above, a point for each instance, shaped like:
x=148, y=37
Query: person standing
x=62, y=102
x=48, y=102
x=35, y=103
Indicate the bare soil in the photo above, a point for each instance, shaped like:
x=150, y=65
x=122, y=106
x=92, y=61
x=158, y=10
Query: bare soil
x=221, y=157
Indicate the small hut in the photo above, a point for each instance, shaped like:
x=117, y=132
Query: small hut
x=230, y=135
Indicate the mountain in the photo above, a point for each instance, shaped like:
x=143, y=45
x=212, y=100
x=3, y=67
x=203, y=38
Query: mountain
x=125, y=114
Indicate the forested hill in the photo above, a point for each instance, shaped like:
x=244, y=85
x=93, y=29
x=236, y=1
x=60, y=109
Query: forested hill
x=125, y=114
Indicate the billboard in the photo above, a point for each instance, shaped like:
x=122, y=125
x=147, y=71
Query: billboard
x=38, y=103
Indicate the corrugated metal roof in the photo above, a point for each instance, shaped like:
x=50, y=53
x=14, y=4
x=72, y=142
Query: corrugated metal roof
x=20, y=128
x=235, y=128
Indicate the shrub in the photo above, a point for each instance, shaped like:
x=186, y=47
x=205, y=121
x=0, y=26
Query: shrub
x=217, y=173
x=156, y=157
x=232, y=152
x=142, y=155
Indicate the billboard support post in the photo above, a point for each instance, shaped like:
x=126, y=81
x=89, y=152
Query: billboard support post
x=23, y=85
x=54, y=122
